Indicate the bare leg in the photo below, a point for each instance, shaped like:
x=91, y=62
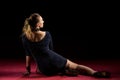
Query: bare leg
x=72, y=68
x=81, y=69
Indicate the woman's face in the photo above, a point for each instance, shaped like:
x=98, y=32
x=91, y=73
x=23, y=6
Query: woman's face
x=40, y=23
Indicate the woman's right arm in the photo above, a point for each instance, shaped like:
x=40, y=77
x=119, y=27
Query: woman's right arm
x=28, y=56
x=28, y=66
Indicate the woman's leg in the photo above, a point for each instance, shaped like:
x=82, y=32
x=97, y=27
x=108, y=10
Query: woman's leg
x=72, y=67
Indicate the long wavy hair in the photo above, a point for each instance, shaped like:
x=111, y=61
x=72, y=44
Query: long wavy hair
x=30, y=25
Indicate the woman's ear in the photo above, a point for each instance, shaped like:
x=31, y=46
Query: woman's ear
x=38, y=25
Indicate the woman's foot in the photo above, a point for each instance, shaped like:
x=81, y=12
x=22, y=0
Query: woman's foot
x=102, y=74
x=71, y=72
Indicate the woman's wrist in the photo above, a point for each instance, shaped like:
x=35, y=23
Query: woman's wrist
x=28, y=69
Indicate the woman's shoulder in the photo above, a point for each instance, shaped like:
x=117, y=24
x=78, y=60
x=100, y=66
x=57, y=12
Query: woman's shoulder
x=47, y=32
x=23, y=36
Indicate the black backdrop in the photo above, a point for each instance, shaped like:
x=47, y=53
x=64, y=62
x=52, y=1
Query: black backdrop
x=80, y=30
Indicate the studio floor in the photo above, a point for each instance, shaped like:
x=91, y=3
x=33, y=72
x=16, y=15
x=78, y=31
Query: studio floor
x=13, y=69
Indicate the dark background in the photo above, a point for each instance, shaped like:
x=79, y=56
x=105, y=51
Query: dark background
x=80, y=30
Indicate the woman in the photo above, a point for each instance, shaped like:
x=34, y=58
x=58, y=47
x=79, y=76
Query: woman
x=38, y=44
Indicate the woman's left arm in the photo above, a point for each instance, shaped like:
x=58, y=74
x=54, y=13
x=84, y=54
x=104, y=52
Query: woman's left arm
x=51, y=43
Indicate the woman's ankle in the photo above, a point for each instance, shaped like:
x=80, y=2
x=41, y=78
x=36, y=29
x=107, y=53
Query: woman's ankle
x=102, y=74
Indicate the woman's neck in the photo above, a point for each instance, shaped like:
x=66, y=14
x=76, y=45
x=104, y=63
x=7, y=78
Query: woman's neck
x=37, y=29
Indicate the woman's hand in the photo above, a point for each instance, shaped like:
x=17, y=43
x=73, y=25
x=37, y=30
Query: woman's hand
x=26, y=73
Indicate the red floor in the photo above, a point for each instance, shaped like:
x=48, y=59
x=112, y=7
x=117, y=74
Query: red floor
x=12, y=69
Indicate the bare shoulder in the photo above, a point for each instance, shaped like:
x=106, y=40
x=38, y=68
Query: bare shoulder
x=43, y=33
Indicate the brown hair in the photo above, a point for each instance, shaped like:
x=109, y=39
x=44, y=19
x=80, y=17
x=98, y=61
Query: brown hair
x=30, y=24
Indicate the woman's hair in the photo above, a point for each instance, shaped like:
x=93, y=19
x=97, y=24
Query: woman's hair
x=30, y=24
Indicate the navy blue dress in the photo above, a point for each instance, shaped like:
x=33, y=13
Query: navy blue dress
x=48, y=61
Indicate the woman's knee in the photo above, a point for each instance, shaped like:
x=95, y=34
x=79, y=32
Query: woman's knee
x=71, y=69
x=71, y=64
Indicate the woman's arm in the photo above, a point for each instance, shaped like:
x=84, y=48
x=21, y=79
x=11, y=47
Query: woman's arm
x=28, y=65
x=51, y=45
x=28, y=55
x=51, y=42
